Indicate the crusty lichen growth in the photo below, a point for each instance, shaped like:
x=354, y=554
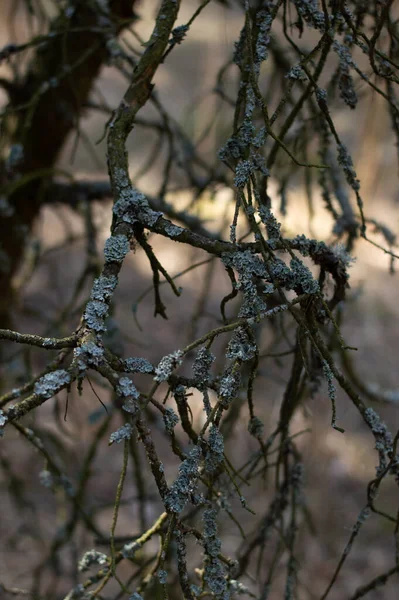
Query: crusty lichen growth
x=51, y=383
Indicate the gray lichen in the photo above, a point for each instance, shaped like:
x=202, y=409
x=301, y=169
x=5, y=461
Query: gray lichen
x=215, y=451
x=249, y=268
x=382, y=435
x=244, y=170
x=170, y=419
x=95, y=314
x=342, y=254
x=129, y=550
x=46, y=478
x=239, y=588
x=209, y=521
x=328, y=374
x=3, y=421
x=345, y=80
x=270, y=222
x=195, y=590
x=92, y=557
x=264, y=22
x=256, y=427
x=302, y=277
x=103, y=288
x=167, y=365
x=241, y=346
x=125, y=208
x=16, y=156
x=178, y=34
x=173, y=230
x=231, y=149
x=345, y=161
x=116, y=247
x=123, y=433
x=296, y=73
x=229, y=386
x=51, y=383
x=201, y=366
x=137, y=365
x=309, y=11
x=89, y=354
x=162, y=576
x=132, y=206
x=126, y=388
x=186, y=481
x=214, y=572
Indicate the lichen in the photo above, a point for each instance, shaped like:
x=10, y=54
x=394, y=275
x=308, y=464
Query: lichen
x=16, y=156
x=92, y=557
x=51, y=383
x=95, y=314
x=137, y=365
x=162, y=576
x=178, y=34
x=345, y=80
x=167, y=365
x=103, y=288
x=89, y=354
x=3, y=421
x=215, y=451
x=229, y=386
x=201, y=366
x=241, y=346
x=123, y=433
x=309, y=11
x=302, y=277
x=116, y=247
x=46, y=478
x=214, y=572
x=297, y=73
x=270, y=222
x=250, y=269
x=185, y=484
x=132, y=206
x=129, y=550
x=170, y=419
x=264, y=22
x=345, y=161
x=126, y=388
x=172, y=230
x=243, y=172
x=256, y=427
x=382, y=435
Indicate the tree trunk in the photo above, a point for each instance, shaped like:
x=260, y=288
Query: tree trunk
x=42, y=111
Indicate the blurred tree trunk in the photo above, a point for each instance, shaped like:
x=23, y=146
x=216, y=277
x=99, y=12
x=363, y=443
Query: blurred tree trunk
x=43, y=109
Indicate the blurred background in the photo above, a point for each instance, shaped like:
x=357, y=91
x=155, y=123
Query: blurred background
x=338, y=466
